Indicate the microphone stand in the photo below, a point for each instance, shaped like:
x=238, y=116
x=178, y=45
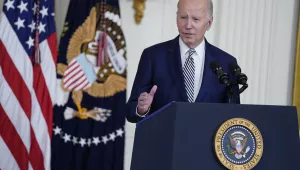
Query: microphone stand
x=243, y=88
x=230, y=93
x=230, y=90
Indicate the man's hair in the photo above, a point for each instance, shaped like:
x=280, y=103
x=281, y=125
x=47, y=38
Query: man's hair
x=210, y=9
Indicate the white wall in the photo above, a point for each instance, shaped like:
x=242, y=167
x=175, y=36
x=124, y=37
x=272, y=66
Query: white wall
x=261, y=34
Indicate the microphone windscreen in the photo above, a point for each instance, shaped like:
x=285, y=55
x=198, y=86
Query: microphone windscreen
x=214, y=65
x=232, y=66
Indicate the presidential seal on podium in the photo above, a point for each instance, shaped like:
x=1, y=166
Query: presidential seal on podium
x=238, y=144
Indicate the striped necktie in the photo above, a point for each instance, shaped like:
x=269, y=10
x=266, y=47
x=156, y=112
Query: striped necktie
x=189, y=75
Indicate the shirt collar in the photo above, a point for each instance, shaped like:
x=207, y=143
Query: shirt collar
x=184, y=48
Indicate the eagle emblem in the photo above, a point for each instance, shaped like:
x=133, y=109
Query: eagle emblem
x=238, y=141
x=96, y=64
x=238, y=144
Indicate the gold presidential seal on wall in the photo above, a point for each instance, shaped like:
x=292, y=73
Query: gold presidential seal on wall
x=238, y=144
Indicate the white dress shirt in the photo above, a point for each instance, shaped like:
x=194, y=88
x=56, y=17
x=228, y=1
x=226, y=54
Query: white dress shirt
x=199, y=58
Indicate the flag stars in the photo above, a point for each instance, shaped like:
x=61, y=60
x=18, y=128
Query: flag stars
x=29, y=42
x=9, y=4
x=44, y=12
x=67, y=138
x=89, y=142
x=112, y=136
x=32, y=26
x=23, y=7
x=34, y=8
x=82, y=142
x=120, y=132
x=57, y=130
x=104, y=139
x=20, y=23
x=74, y=140
x=96, y=140
x=41, y=27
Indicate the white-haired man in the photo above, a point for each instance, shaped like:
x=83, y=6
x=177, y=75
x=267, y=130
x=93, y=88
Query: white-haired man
x=179, y=69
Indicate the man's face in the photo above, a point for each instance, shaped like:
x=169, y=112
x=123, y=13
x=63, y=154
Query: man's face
x=192, y=21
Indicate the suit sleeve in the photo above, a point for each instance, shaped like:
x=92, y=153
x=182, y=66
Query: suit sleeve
x=142, y=83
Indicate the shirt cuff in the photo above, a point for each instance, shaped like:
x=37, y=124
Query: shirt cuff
x=136, y=112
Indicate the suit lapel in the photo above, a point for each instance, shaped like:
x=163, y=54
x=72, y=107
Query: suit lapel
x=174, y=50
x=207, y=74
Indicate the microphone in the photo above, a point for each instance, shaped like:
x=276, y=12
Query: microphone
x=241, y=77
x=217, y=69
x=236, y=70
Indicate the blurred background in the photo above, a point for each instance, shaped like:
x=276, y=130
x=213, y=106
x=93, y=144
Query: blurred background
x=261, y=34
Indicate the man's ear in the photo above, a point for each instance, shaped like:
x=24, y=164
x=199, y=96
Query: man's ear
x=210, y=21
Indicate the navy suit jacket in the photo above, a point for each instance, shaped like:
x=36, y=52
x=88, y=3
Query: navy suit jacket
x=161, y=65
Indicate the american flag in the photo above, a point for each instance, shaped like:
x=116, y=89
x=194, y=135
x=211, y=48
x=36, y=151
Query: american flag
x=27, y=88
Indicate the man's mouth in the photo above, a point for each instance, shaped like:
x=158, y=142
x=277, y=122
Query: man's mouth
x=187, y=34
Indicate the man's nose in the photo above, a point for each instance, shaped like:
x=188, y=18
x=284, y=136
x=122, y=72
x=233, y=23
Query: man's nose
x=188, y=24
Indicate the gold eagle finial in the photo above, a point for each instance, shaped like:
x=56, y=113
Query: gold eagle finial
x=139, y=7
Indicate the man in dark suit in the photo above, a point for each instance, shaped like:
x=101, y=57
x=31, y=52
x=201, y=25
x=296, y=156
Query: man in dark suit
x=179, y=69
